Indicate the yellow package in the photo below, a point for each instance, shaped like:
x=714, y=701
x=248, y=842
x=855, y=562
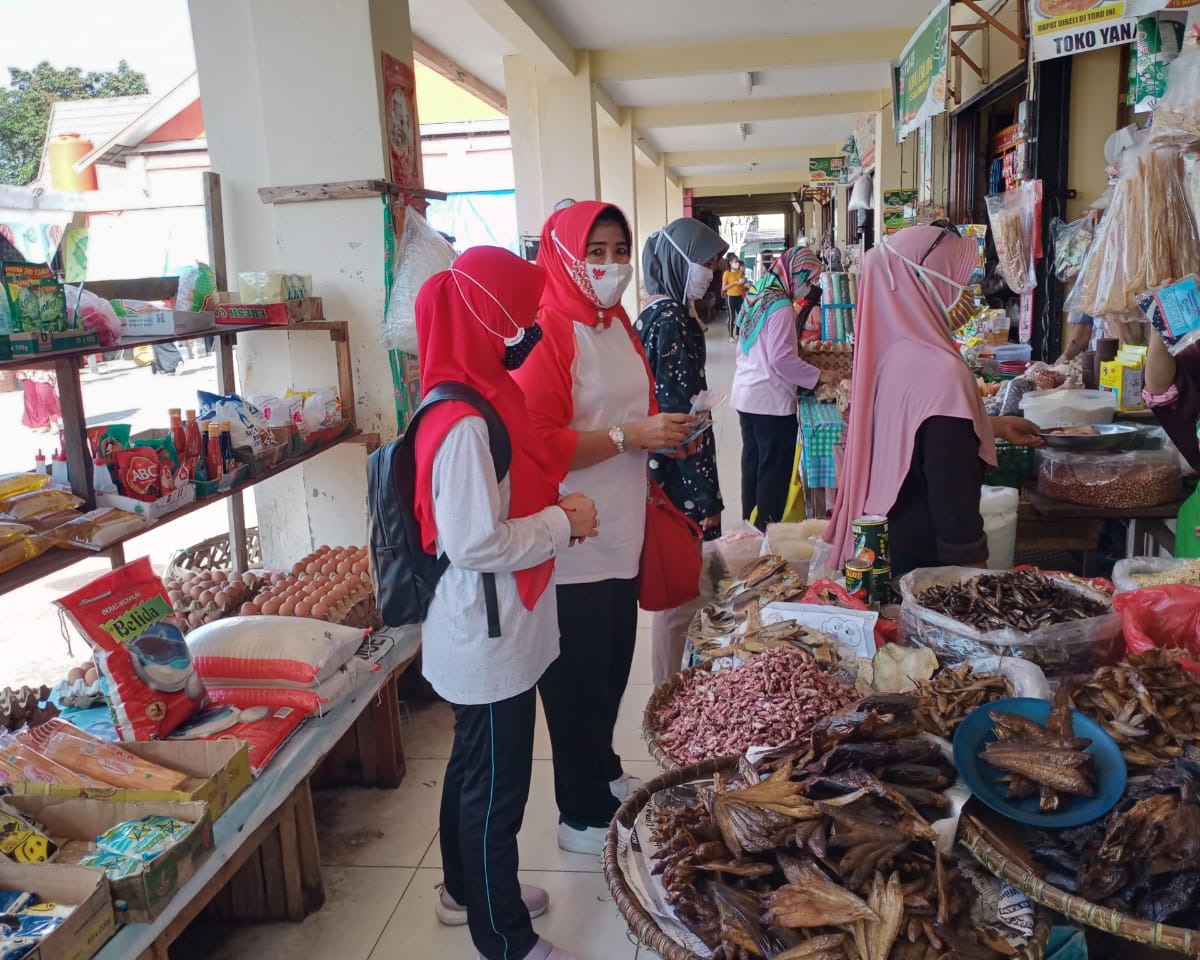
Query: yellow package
x=22, y=840
x=13, y=484
x=11, y=530
x=27, y=506
x=20, y=763
x=16, y=552
x=95, y=530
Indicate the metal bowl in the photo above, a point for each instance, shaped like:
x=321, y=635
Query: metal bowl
x=1109, y=436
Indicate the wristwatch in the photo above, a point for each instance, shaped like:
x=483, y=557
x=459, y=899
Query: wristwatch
x=617, y=436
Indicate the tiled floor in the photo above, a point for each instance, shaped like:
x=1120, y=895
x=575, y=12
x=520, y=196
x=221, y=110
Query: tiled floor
x=382, y=860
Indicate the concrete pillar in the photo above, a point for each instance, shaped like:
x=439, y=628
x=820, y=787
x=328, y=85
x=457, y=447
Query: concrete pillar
x=674, y=199
x=555, y=151
x=651, y=188
x=256, y=60
x=617, y=186
x=889, y=169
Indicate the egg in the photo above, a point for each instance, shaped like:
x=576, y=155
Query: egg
x=91, y=676
x=287, y=608
x=303, y=608
x=248, y=609
x=221, y=599
x=320, y=610
x=270, y=607
x=235, y=577
x=220, y=576
x=205, y=597
x=75, y=673
x=342, y=568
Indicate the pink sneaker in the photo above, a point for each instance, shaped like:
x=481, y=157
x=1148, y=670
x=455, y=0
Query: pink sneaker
x=453, y=914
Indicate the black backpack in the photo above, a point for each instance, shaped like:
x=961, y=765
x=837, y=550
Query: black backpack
x=405, y=576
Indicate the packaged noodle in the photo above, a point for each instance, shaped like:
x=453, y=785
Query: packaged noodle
x=97, y=759
x=21, y=763
x=1147, y=238
x=26, y=506
x=12, y=484
x=21, y=839
x=126, y=617
x=96, y=530
x=143, y=839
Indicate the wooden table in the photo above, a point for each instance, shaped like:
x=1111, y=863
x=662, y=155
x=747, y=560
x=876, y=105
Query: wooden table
x=266, y=863
x=1146, y=526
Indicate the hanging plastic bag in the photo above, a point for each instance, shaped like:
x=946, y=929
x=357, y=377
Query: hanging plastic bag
x=1147, y=238
x=423, y=252
x=1163, y=618
x=1177, y=116
x=1013, y=215
x=1071, y=243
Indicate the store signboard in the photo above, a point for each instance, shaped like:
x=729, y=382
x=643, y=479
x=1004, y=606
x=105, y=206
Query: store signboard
x=827, y=171
x=919, y=76
x=1061, y=28
x=864, y=138
x=899, y=209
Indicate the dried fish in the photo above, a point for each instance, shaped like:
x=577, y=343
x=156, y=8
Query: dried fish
x=945, y=700
x=1022, y=600
x=1046, y=761
x=816, y=903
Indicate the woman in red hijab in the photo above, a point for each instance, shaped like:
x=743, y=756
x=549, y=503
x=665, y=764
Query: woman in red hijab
x=591, y=401
x=475, y=323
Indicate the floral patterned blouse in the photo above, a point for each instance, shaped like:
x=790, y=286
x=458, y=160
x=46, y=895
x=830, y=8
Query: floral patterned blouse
x=677, y=353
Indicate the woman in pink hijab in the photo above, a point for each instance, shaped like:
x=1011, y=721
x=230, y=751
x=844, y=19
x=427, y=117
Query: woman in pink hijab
x=918, y=442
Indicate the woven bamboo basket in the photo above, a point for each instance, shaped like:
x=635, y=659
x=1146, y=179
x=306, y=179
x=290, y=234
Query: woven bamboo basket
x=993, y=854
x=213, y=554
x=646, y=928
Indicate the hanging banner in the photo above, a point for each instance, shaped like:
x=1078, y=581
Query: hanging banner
x=919, y=76
x=827, y=171
x=403, y=128
x=1062, y=28
x=864, y=138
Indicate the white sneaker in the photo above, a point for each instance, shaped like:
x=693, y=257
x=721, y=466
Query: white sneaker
x=625, y=786
x=451, y=913
x=545, y=950
x=589, y=840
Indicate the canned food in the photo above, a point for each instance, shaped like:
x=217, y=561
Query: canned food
x=871, y=541
x=890, y=611
x=881, y=586
x=858, y=578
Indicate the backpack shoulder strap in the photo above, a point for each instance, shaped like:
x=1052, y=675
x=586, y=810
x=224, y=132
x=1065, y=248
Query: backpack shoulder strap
x=498, y=439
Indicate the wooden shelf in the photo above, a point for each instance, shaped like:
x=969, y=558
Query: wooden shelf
x=345, y=190
x=59, y=559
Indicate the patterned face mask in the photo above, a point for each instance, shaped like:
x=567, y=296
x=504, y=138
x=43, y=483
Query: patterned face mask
x=604, y=283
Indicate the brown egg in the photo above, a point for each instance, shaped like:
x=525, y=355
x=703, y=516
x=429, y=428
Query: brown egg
x=205, y=597
x=303, y=608
x=75, y=673
x=221, y=599
x=287, y=608
x=320, y=610
x=91, y=676
x=220, y=576
x=270, y=607
x=249, y=609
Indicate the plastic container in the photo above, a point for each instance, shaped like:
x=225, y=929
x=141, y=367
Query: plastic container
x=58, y=469
x=102, y=481
x=1069, y=408
x=1110, y=481
x=998, y=506
x=1012, y=352
x=1063, y=650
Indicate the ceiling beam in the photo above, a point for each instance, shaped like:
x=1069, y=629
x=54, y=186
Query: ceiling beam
x=439, y=63
x=749, y=154
x=648, y=152
x=796, y=177
x=750, y=110
x=749, y=55
x=531, y=32
x=741, y=189
x=606, y=105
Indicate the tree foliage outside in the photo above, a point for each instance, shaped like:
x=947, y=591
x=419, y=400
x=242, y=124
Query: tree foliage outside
x=25, y=109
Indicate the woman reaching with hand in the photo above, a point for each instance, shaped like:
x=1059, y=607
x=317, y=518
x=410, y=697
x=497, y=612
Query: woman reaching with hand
x=591, y=399
x=491, y=629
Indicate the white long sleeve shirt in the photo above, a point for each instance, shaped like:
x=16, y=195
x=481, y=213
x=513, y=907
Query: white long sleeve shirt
x=463, y=663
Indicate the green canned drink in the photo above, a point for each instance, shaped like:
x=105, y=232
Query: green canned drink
x=871, y=541
x=858, y=579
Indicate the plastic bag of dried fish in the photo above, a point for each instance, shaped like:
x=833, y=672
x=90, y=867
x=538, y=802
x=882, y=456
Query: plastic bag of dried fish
x=965, y=623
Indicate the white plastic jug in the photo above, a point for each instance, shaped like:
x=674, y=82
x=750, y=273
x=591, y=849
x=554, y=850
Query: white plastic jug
x=999, y=505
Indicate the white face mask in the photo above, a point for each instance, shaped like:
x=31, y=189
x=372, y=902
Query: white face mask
x=607, y=280
x=699, y=276
x=956, y=313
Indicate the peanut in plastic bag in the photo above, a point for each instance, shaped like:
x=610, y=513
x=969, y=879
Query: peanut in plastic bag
x=1012, y=216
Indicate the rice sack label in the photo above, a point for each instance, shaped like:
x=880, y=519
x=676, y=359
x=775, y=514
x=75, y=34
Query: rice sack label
x=127, y=619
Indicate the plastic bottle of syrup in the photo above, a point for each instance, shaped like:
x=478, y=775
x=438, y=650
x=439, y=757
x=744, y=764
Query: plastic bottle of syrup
x=193, y=452
x=102, y=481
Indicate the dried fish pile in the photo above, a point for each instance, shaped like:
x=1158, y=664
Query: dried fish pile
x=1046, y=762
x=944, y=701
x=1148, y=704
x=717, y=633
x=823, y=860
x=1144, y=857
x=767, y=580
x=1023, y=600
x=772, y=699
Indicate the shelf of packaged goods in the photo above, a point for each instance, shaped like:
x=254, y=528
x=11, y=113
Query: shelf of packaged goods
x=57, y=559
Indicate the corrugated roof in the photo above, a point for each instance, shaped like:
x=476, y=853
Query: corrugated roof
x=96, y=120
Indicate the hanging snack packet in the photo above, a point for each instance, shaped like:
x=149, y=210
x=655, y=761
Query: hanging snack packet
x=126, y=617
x=21, y=839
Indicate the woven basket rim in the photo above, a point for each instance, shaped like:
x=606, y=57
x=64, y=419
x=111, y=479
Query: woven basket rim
x=977, y=838
x=646, y=928
x=662, y=694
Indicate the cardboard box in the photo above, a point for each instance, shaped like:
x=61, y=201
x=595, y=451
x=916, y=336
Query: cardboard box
x=150, y=509
x=1125, y=377
x=90, y=925
x=140, y=898
x=218, y=773
x=285, y=312
x=35, y=344
x=157, y=323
